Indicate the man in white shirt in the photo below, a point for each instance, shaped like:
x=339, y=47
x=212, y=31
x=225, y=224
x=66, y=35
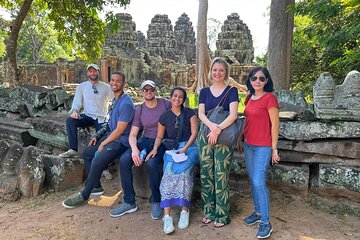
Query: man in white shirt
x=93, y=97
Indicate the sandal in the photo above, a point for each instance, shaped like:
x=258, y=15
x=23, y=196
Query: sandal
x=218, y=225
x=206, y=220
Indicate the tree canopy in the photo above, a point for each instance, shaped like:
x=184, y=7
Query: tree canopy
x=326, y=39
x=78, y=24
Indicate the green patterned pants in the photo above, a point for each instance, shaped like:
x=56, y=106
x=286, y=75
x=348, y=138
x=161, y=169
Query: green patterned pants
x=214, y=175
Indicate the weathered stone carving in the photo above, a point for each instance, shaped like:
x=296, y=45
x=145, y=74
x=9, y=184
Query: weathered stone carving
x=161, y=38
x=22, y=172
x=126, y=38
x=185, y=39
x=337, y=102
x=235, y=41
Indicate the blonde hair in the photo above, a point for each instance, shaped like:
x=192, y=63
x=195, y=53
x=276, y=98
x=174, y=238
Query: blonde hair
x=224, y=63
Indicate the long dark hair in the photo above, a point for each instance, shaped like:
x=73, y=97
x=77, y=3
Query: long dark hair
x=182, y=90
x=269, y=86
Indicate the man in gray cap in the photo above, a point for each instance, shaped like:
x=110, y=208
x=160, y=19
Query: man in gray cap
x=92, y=98
x=146, y=118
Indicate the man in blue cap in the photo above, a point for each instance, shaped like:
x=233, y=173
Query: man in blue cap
x=89, y=108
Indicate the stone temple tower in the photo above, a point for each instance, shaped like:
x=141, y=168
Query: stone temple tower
x=235, y=41
x=161, y=37
x=185, y=39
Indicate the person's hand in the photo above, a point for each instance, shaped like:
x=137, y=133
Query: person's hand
x=275, y=157
x=214, y=128
x=151, y=154
x=75, y=115
x=92, y=142
x=212, y=137
x=101, y=147
x=181, y=150
x=135, y=154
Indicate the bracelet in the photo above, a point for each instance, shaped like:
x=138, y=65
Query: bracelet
x=274, y=148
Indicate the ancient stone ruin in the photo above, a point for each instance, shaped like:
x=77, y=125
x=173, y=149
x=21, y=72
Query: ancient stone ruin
x=318, y=154
x=185, y=39
x=235, y=41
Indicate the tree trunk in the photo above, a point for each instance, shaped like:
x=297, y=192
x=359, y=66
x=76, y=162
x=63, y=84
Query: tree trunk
x=202, y=51
x=280, y=38
x=11, y=45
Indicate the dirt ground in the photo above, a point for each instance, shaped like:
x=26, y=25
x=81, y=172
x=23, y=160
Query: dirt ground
x=293, y=217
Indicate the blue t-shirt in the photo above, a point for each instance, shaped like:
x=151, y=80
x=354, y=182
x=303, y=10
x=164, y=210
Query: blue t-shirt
x=210, y=101
x=123, y=111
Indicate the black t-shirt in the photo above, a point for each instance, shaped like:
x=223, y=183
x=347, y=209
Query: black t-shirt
x=168, y=120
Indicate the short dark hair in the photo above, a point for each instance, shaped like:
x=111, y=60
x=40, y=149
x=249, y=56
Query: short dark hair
x=121, y=74
x=180, y=89
x=269, y=86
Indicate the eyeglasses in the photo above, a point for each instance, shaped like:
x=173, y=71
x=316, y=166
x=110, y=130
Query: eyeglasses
x=95, y=89
x=262, y=79
x=177, y=122
x=145, y=90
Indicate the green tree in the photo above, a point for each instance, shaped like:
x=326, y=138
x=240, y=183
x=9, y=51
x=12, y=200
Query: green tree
x=326, y=38
x=77, y=23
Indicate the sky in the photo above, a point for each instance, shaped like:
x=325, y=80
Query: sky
x=254, y=13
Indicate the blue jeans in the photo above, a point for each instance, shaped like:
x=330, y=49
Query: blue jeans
x=153, y=167
x=257, y=163
x=96, y=165
x=73, y=124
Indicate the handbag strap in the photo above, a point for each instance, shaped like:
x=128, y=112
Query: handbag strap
x=181, y=125
x=224, y=97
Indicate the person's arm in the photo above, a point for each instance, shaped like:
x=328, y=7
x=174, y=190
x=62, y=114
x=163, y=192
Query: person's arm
x=135, y=153
x=275, y=124
x=120, y=128
x=77, y=103
x=214, y=130
x=157, y=143
x=194, y=127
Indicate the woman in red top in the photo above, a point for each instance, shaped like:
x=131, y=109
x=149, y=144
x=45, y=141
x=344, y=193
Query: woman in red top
x=260, y=144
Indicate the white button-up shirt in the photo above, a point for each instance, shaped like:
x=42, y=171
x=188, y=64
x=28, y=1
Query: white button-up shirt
x=94, y=105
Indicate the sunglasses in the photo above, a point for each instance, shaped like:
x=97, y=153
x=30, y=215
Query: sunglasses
x=262, y=79
x=177, y=122
x=145, y=90
x=95, y=89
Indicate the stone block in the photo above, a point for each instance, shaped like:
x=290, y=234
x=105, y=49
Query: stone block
x=16, y=131
x=290, y=176
x=307, y=130
x=339, y=148
x=62, y=173
x=238, y=165
x=337, y=180
x=140, y=181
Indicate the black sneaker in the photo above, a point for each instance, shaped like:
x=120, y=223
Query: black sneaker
x=97, y=191
x=74, y=202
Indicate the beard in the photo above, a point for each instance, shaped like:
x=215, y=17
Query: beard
x=94, y=77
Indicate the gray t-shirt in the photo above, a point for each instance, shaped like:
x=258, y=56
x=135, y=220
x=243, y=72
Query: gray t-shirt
x=147, y=118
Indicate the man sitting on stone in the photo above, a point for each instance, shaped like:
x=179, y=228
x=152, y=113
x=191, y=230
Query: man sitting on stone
x=103, y=150
x=146, y=118
x=93, y=96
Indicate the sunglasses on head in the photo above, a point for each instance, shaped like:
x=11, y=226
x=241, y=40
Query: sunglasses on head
x=148, y=90
x=94, y=89
x=254, y=78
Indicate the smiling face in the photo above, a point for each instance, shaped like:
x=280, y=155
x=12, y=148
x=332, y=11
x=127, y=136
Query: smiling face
x=177, y=98
x=117, y=83
x=93, y=74
x=218, y=72
x=258, y=81
x=148, y=92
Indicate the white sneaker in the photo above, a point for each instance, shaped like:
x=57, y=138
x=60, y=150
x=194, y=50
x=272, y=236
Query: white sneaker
x=184, y=220
x=69, y=153
x=168, y=224
x=107, y=175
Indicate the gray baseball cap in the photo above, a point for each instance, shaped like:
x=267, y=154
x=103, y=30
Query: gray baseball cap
x=147, y=82
x=93, y=65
